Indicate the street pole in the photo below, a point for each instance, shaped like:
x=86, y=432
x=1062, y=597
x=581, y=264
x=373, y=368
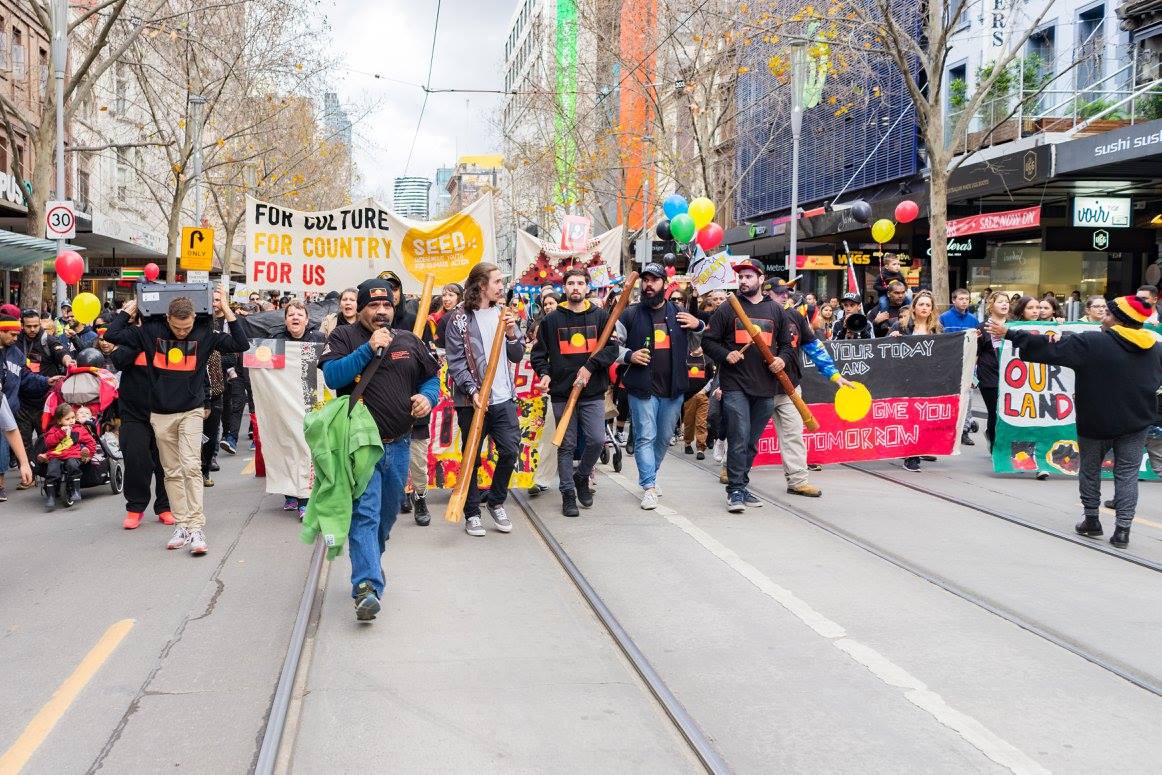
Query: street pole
x=196, y=102
x=796, y=131
x=60, y=52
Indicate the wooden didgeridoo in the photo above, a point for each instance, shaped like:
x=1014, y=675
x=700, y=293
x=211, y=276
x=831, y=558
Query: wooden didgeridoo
x=575, y=393
x=425, y=305
x=764, y=350
x=455, y=510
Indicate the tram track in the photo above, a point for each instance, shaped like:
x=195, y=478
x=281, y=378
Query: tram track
x=1125, y=672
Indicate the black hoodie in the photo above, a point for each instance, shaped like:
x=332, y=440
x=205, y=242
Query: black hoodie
x=1117, y=375
x=566, y=341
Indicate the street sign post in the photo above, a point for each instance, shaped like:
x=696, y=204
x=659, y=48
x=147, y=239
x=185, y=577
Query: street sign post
x=60, y=221
x=197, y=248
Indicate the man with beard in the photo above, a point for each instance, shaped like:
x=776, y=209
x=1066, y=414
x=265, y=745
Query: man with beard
x=655, y=337
x=403, y=387
x=46, y=361
x=565, y=355
x=748, y=384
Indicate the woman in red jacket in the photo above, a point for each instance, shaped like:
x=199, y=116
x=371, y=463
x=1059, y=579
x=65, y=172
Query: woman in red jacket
x=67, y=445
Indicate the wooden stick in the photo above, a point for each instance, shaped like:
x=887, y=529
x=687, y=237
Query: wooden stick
x=425, y=305
x=575, y=393
x=764, y=350
x=455, y=510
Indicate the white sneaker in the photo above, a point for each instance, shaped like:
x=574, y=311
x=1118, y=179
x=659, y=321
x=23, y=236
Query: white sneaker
x=180, y=538
x=650, y=499
x=622, y=437
x=500, y=517
x=474, y=527
x=719, y=450
x=198, y=543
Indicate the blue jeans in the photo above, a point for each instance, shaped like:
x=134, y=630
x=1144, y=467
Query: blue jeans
x=654, y=420
x=747, y=418
x=373, y=514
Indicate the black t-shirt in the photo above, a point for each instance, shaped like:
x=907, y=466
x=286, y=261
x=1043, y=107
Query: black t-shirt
x=406, y=365
x=801, y=334
x=660, y=353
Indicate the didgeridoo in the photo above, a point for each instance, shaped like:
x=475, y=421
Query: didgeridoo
x=764, y=350
x=575, y=393
x=425, y=305
x=455, y=510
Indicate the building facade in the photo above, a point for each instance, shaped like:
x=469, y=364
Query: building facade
x=410, y=197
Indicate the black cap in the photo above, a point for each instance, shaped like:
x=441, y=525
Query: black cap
x=851, y=296
x=654, y=268
x=778, y=285
x=374, y=289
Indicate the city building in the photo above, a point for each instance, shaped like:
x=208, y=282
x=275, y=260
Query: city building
x=410, y=197
x=336, y=120
x=471, y=177
x=442, y=207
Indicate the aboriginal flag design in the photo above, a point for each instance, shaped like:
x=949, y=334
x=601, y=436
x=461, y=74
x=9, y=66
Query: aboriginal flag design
x=176, y=355
x=140, y=360
x=265, y=354
x=577, y=340
x=661, y=338
x=696, y=370
x=766, y=328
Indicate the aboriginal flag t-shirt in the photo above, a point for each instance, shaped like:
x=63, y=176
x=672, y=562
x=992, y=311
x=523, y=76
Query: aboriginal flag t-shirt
x=661, y=355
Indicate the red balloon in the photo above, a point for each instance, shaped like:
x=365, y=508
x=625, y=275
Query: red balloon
x=907, y=211
x=671, y=271
x=70, y=266
x=710, y=236
x=152, y=271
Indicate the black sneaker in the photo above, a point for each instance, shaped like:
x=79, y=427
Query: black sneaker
x=689, y=449
x=1090, y=526
x=569, y=504
x=214, y=464
x=423, y=518
x=3, y=494
x=751, y=500
x=1109, y=505
x=366, y=603
x=736, y=502
x=49, y=500
x=405, y=503
x=536, y=490
x=912, y=464
x=1121, y=537
x=584, y=494
x=701, y=455
x=74, y=496
x=966, y=440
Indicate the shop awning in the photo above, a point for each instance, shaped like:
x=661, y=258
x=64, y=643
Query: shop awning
x=20, y=250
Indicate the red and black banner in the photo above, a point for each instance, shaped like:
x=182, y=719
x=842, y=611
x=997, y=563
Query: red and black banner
x=265, y=354
x=175, y=355
x=918, y=385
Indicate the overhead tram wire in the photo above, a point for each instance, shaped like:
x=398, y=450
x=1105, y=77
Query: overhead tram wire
x=427, y=88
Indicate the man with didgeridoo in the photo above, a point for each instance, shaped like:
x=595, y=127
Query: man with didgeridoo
x=1117, y=372
x=654, y=333
x=176, y=349
x=749, y=385
x=402, y=387
x=565, y=355
x=468, y=341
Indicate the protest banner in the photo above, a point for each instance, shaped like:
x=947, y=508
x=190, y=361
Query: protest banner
x=543, y=263
x=1036, y=414
x=445, y=442
x=286, y=383
x=713, y=273
x=919, y=387
x=293, y=250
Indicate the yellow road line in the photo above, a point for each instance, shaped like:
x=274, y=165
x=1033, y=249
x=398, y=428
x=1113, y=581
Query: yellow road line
x=43, y=722
x=1137, y=520
x=248, y=468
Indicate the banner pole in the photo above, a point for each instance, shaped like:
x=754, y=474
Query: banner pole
x=425, y=305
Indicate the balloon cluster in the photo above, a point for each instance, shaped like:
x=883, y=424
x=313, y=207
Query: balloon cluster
x=688, y=222
x=884, y=229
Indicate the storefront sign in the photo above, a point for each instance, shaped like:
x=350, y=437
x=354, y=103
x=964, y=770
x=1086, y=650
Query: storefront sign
x=1000, y=175
x=1113, y=212
x=10, y=191
x=986, y=223
x=958, y=247
x=816, y=263
x=1115, y=240
x=1126, y=144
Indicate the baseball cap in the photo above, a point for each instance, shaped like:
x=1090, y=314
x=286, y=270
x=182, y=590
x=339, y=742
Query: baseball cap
x=654, y=268
x=778, y=285
x=752, y=264
x=851, y=297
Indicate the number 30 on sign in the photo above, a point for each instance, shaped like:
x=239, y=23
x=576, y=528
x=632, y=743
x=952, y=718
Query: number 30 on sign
x=60, y=222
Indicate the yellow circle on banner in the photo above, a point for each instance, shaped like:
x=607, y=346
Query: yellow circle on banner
x=449, y=249
x=577, y=340
x=883, y=230
x=853, y=403
x=174, y=355
x=262, y=353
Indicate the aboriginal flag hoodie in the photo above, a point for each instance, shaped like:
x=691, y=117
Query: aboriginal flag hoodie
x=177, y=367
x=566, y=341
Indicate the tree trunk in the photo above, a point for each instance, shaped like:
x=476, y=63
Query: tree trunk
x=938, y=228
x=32, y=276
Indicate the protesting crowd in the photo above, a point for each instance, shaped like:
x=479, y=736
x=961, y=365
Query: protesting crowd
x=148, y=399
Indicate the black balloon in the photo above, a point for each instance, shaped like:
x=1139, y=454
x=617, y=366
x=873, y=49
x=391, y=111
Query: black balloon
x=663, y=230
x=861, y=211
x=669, y=259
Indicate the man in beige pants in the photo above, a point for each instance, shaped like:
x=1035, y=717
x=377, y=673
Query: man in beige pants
x=176, y=348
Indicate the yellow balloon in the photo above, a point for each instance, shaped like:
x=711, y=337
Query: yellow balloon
x=86, y=307
x=883, y=230
x=702, y=211
x=853, y=403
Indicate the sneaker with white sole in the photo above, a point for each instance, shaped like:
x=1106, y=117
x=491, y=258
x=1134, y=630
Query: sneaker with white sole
x=650, y=499
x=500, y=517
x=719, y=453
x=751, y=500
x=474, y=527
x=198, y=543
x=736, y=502
x=180, y=538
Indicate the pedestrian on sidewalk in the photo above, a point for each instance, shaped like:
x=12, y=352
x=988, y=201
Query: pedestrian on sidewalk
x=297, y=327
x=988, y=361
x=176, y=349
x=566, y=355
x=748, y=384
x=1118, y=371
x=696, y=409
x=469, y=336
x=654, y=333
x=922, y=322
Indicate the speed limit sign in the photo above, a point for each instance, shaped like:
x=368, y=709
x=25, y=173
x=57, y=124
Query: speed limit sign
x=60, y=221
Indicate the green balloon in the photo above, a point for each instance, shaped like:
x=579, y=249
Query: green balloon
x=682, y=228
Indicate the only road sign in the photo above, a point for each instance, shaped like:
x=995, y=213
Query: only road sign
x=197, y=248
x=60, y=221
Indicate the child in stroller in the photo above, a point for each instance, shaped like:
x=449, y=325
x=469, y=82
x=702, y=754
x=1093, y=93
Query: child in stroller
x=67, y=445
x=90, y=391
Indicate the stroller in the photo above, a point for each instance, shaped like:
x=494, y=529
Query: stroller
x=91, y=386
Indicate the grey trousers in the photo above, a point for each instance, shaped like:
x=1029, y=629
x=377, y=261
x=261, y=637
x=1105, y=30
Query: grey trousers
x=589, y=414
x=1127, y=451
